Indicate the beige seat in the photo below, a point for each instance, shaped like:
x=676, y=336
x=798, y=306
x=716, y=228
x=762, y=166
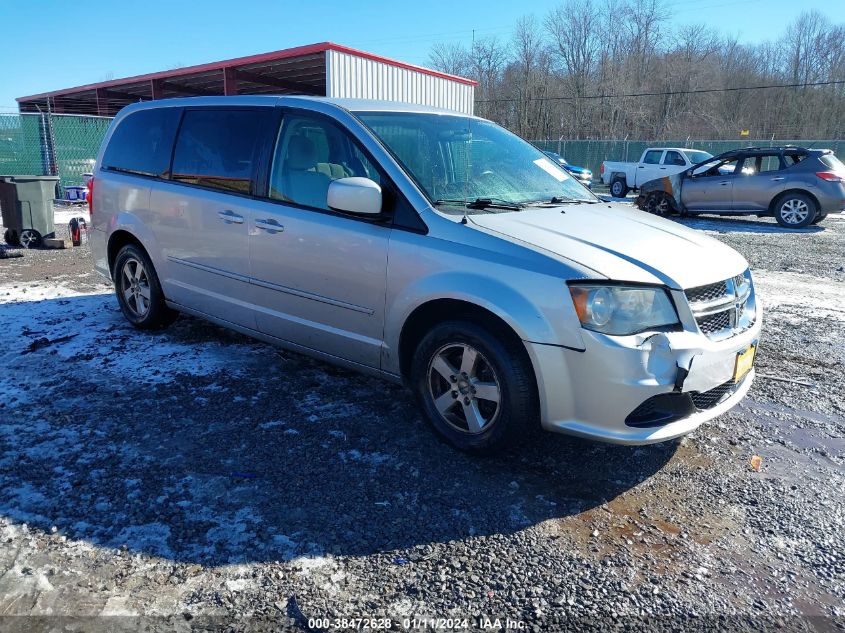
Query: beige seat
x=333, y=170
x=301, y=182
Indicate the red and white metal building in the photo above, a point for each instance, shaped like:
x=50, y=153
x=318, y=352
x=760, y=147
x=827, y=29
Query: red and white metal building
x=324, y=69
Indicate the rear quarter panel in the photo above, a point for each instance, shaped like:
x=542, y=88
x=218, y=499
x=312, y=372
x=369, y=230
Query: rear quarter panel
x=121, y=202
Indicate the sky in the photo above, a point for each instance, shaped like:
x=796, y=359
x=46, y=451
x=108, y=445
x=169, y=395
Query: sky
x=52, y=44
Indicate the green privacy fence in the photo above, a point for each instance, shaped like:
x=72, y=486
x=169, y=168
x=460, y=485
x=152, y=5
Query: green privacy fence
x=77, y=140
x=21, y=150
x=66, y=145
x=50, y=144
x=590, y=154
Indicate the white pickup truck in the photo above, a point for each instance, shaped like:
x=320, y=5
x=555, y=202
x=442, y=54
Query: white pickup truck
x=655, y=162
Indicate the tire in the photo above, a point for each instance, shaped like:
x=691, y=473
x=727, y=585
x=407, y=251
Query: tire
x=10, y=238
x=461, y=407
x=819, y=217
x=618, y=188
x=658, y=204
x=30, y=238
x=795, y=210
x=138, y=290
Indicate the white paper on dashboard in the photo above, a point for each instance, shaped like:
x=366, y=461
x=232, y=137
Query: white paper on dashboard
x=550, y=168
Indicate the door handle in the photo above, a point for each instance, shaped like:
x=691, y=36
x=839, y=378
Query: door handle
x=230, y=217
x=641, y=167
x=662, y=168
x=725, y=183
x=271, y=226
x=778, y=178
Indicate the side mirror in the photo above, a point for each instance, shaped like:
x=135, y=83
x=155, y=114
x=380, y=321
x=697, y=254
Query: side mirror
x=355, y=195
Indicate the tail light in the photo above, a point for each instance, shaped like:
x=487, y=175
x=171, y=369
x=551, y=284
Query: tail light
x=89, y=197
x=830, y=176
x=601, y=170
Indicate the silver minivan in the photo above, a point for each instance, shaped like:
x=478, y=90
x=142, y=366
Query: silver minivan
x=426, y=247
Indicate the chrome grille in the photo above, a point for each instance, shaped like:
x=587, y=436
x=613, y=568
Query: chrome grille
x=724, y=308
x=707, y=293
x=713, y=323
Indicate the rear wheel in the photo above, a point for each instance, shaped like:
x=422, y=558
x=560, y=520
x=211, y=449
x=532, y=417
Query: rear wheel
x=30, y=238
x=139, y=291
x=10, y=238
x=476, y=389
x=795, y=210
x=618, y=188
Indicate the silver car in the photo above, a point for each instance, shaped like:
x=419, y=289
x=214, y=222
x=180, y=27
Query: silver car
x=429, y=248
x=795, y=185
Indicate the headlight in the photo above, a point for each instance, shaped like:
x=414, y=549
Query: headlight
x=622, y=310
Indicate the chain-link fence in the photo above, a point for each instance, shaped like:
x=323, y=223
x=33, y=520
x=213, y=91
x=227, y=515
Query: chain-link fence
x=21, y=149
x=50, y=144
x=590, y=154
x=77, y=140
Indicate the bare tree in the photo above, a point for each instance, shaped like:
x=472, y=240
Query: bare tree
x=450, y=57
x=574, y=31
x=615, y=69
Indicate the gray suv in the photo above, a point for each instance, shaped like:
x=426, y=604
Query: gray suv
x=797, y=186
x=429, y=248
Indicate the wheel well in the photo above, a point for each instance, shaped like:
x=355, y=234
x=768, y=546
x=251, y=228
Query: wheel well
x=780, y=196
x=118, y=240
x=426, y=316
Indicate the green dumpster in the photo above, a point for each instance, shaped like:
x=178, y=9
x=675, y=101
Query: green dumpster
x=26, y=203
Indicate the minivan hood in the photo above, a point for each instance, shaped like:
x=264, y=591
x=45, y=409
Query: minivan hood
x=620, y=243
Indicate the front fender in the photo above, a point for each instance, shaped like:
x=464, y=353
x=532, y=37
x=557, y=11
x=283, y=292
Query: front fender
x=550, y=318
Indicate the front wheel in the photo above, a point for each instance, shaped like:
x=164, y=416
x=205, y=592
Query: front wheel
x=139, y=291
x=658, y=204
x=795, y=210
x=819, y=218
x=476, y=388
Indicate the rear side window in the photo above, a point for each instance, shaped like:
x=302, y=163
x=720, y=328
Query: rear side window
x=768, y=163
x=652, y=157
x=219, y=149
x=674, y=158
x=142, y=142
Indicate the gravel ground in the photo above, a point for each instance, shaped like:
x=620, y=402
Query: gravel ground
x=201, y=479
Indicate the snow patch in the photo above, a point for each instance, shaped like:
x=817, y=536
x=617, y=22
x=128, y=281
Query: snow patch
x=371, y=459
x=90, y=330
x=815, y=296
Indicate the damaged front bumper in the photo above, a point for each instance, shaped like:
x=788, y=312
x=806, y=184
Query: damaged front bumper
x=640, y=389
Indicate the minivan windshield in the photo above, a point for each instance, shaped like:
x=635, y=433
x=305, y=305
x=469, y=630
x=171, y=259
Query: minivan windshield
x=459, y=160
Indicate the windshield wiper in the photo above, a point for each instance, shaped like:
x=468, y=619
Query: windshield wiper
x=484, y=203
x=556, y=200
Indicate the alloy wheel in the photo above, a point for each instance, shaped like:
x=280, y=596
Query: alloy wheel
x=464, y=388
x=794, y=211
x=135, y=286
